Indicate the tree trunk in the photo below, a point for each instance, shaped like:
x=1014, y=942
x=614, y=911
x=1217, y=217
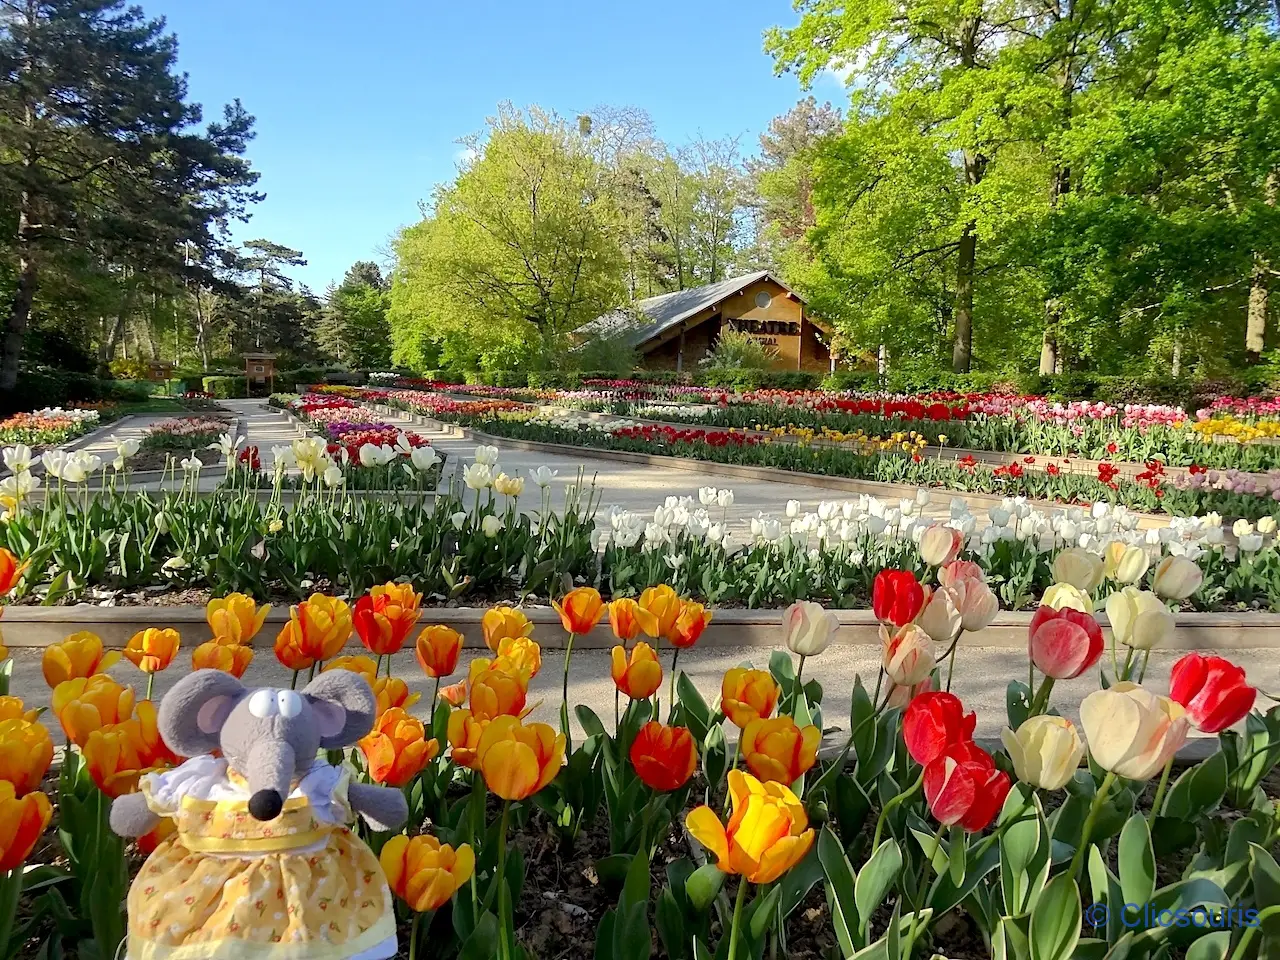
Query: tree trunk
x=1255, y=333
x=19, y=311
x=966, y=254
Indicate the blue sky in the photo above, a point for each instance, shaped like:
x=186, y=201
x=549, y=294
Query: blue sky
x=360, y=105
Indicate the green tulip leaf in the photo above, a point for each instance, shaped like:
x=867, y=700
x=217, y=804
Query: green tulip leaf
x=841, y=894
x=1137, y=861
x=1055, y=922
x=875, y=880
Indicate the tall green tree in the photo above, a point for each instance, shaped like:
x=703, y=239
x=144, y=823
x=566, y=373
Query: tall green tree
x=354, y=328
x=101, y=151
x=516, y=254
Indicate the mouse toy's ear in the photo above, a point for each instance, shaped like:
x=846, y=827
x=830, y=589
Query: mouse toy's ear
x=344, y=707
x=192, y=713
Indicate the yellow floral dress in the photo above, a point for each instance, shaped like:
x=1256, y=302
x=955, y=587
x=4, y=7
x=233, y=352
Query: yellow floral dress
x=229, y=887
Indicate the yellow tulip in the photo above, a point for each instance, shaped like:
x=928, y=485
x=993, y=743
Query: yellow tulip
x=397, y=748
x=747, y=695
x=152, y=650
x=423, y=872
x=232, y=658
x=502, y=622
x=367, y=667
x=767, y=835
x=464, y=732
x=318, y=628
x=79, y=655
x=580, y=610
x=518, y=760
x=638, y=675
x=26, y=750
x=779, y=749
x=496, y=689
x=524, y=654
x=663, y=604
x=22, y=821
x=12, y=708
x=437, y=650
x=90, y=703
x=627, y=618
x=235, y=618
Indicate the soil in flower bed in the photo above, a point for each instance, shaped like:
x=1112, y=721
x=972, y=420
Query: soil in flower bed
x=146, y=459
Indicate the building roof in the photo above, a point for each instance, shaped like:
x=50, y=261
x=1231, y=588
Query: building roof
x=665, y=311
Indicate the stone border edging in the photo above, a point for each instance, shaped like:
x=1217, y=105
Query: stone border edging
x=36, y=626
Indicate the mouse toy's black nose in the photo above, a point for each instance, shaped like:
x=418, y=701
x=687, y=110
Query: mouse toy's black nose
x=266, y=804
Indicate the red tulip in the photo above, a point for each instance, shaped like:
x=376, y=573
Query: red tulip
x=1064, y=643
x=964, y=787
x=896, y=597
x=1212, y=689
x=932, y=723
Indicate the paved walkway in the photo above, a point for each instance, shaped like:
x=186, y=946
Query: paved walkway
x=981, y=676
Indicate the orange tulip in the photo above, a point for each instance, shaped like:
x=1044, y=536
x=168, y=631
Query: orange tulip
x=113, y=759
x=151, y=746
x=423, y=872
x=496, y=689
x=12, y=708
x=628, y=618
x=80, y=655
x=778, y=749
x=152, y=650
x=518, y=760
x=384, y=616
x=438, y=649
x=11, y=571
x=232, y=658
x=747, y=695
x=90, y=703
x=639, y=675
x=148, y=842
x=317, y=629
x=397, y=748
x=393, y=692
x=580, y=610
x=26, y=750
x=663, y=604
x=688, y=626
x=767, y=835
x=464, y=737
x=4, y=651
x=22, y=821
x=502, y=622
x=235, y=618
x=455, y=694
x=664, y=757
x=289, y=652
x=523, y=654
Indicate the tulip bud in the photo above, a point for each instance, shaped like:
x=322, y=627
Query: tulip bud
x=746, y=695
x=1064, y=643
x=940, y=544
x=1139, y=618
x=940, y=619
x=1212, y=690
x=779, y=750
x=1132, y=732
x=809, y=627
x=1078, y=567
x=1062, y=596
x=1176, y=578
x=934, y=721
x=896, y=597
x=1045, y=751
x=908, y=654
x=636, y=676
x=664, y=757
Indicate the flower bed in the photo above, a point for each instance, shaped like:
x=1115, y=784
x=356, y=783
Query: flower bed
x=48, y=427
x=908, y=838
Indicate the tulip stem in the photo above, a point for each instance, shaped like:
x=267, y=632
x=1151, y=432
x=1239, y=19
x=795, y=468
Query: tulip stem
x=501, y=879
x=151, y=679
x=1041, y=701
x=737, y=912
x=671, y=691
x=1142, y=671
x=435, y=698
x=1164, y=782
x=564, y=703
x=293, y=684
x=617, y=715
x=413, y=936
x=1078, y=860
x=893, y=803
x=951, y=665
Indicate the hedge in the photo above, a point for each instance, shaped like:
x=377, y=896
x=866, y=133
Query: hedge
x=225, y=387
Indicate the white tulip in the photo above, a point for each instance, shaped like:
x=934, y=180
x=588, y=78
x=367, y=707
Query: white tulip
x=793, y=508
x=1251, y=543
x=543, y=476
x=1242, y=528
x=477, y=476
x=423, y=458
x=490, y=525
x=809, y=627
x=18, y=458
x=333, y=476
x=458, y=519
x=1266, y=525
x=486, y=455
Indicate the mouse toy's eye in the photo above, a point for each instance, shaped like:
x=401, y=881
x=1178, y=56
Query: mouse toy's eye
x=290, y=704
x=262, y=703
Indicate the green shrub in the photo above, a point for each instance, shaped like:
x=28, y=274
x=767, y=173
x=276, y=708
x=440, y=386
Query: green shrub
x=226, y=387
x=130, y=368
x=498, y=378
x=443, y=376
x=559, y=379
x=863, y=381
x=128, y=391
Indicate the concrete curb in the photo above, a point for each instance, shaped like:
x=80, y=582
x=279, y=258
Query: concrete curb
x=33, y=626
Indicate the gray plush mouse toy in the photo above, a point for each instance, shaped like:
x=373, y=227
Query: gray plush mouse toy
x=263, y=865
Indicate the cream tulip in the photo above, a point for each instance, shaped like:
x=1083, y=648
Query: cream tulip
x=1045, y=751
x=940, y=544
x=809, y=627
x=1131, y=731
x=1176, y=578
x=908, y=654
x=940, y=618
x=1067, y=595
x=1078, y=567
x=1139, y=618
